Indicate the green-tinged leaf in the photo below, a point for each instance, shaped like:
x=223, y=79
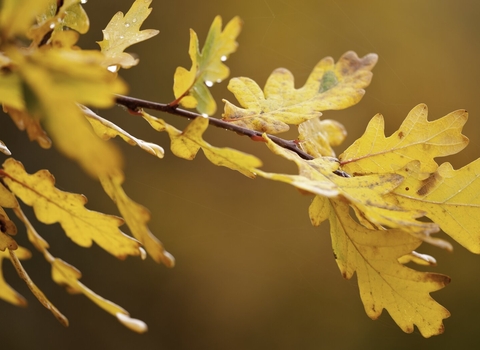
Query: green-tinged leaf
x=136, y=217
x=17, y=16
x=330, y=86
x=124, y=31
x=191, y=87
x=186, y=145
x=52, y=205
x=383, y=281
x=53, y=22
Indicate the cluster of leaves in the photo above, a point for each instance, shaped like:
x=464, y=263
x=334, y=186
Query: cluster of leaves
x=374, y=194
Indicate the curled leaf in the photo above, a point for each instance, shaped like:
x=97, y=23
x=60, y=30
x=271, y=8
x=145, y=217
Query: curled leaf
x=106, y=130
x=186, y=145
x=136, y=216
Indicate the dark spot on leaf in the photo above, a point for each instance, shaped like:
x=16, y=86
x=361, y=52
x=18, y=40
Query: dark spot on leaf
x=329, y=80
x=429, y=184
x=400, y=135
x=335, y=255
x=407, y=188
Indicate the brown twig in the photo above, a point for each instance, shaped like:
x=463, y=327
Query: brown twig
x=134, y=104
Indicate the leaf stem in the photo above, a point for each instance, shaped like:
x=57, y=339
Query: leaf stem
x=134, y=104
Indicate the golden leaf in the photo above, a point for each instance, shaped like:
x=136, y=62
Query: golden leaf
x=383, y=281
x=52, y=205
x=451, y=198
x=186, y=145
x=416, y=139
x=330, y=86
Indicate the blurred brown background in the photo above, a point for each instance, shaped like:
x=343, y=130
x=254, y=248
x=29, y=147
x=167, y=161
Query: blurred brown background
x=251, y=271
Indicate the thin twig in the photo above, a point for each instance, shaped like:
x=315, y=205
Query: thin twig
x=133, y=104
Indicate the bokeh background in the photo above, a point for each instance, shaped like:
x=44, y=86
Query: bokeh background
x=251, y=272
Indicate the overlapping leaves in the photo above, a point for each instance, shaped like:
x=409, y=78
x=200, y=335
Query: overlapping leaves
x=389, y=183
x=330, y=86
x=191, y=86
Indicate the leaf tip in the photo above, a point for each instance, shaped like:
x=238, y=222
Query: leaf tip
x=132, y=323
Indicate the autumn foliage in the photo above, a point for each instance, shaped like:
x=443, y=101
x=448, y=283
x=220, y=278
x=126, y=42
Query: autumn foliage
x=375, y=195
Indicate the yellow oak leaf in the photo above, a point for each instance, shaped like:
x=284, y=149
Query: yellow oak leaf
x=11, y=89
x=186, y=145
x=316, y=137
x=17, y=16
x=52, y=205
x=416, y=139
x=330, y=86
x=385, y=283
x=136, y=217
x=319, y=210
x=7, y=293
x=365, y=193
x=55, y=81
x=67, y=275
x=35, y=290
x=450, y=198
x=124, y=31
x=191, y=87
x=106, y=130
x=70, y=17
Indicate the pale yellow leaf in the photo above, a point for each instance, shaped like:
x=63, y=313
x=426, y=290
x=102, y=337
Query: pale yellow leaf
x=124, y=31
x=330, y=86
x=136, y=217
x=36, y=291
x=316, y=137
x=106, y=130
